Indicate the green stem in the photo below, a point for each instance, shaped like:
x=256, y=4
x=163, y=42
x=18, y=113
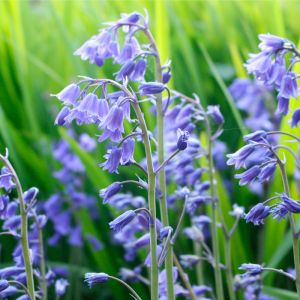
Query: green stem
x=42, y=279
x=151, y=202
x=133, y=292
x=199, y=266
x=162, y=174
x=293, y=228
x=24, y=230
x=214, y=228
x=228, y=263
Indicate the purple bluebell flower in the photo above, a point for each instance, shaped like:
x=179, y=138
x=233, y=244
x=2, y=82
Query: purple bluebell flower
x=3, y=285
x=6, y=181
x=61, y=287
x=126, y=70
x=127, y=151
x=8, y=292
x=283, y=105
x=255, y=136
x=148, y=259
x=62, y=115
x=75, y=238
x=270, y=42
x=214, y=111
x=13, y=223
x=30, y=195
x=151, y=88
x=121, y=221
x=295, y=118
x=189, y=260
x=199, y=290
x=94, y=278
x=238, y=159
x=182, y=139
x=69, y=94
x=166, y=76
x=288, y=87
x=251, y=269
x=113, y=159
x=10, y=271
x=289, y=204
x=267, y=171
x=257, y=214
x=139, y=70
x=248, y=176
x=114, y=119
x=110, y=191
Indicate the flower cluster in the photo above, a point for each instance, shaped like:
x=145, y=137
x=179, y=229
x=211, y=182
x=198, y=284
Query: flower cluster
x=61, y=208
x=271, y=68
x=14, y=279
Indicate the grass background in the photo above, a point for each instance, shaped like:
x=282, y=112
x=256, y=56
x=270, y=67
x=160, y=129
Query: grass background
x=207, y=42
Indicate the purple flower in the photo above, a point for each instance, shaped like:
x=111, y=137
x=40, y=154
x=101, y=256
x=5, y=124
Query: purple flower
x=30, y=195
x=259, y=63
x=126, y=70
x=257, y=214
x=62, y=115
x=182, y=138
x=166, y=77
x=283, y=105
x=248, y=176
x=113, y=157
x=6, y=180
x=114, y=119
x=60, y=287
x=251, y=269
x=255, y=136
x=94, y=278
x=214, y=111
x=151, y=88
x=288, y=87
x=139, y=70
x=271, y=42
x=295, y=118
x=127, y=151
x=238, y=159
x=267, y=172
x=69, y=94
x=96, y=244
x=120, y=222
x=189, y=261
x=110, y=191
x=290, y=204
x=87, y=143
x=3, y=285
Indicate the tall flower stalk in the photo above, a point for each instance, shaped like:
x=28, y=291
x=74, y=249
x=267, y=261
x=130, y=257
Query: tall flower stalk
x=24, y=228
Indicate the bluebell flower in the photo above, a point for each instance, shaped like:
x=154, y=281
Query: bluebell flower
x=287, y=205
x=238, y=159
x=288, y=87
x=6, y=181
x=257, y=214
x=139, y=70
x=61, y=287
x=256, y=136
x=151, y=88
x=114, y=119
x=199, y=290
x=248, y=176
x=110, y=191
x=214, y=111
x=62, y=115
x=283, y=105
x=127, y=151
x=69, y=94
x=94, y=278
x=113, y=159
x=87, y=143
x=30, y=195
x=251, y=269
x=295, y=118
x=270, y=42
x=3, y=285
x=121, y=221
x=126, y=70
x=267, y=171
x=182, y=139
x=189, y=260
x=96, y=244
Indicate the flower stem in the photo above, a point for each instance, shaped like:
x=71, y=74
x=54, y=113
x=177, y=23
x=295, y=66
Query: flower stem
x=214, y=228
x=292, y=224
x=151, y=202
x=24, y=229
x=133, y=292
x=161, y=159
x=228, y=263
x=199, y=266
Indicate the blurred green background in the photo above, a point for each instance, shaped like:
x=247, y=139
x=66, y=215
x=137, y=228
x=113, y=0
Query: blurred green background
x=207, y=42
